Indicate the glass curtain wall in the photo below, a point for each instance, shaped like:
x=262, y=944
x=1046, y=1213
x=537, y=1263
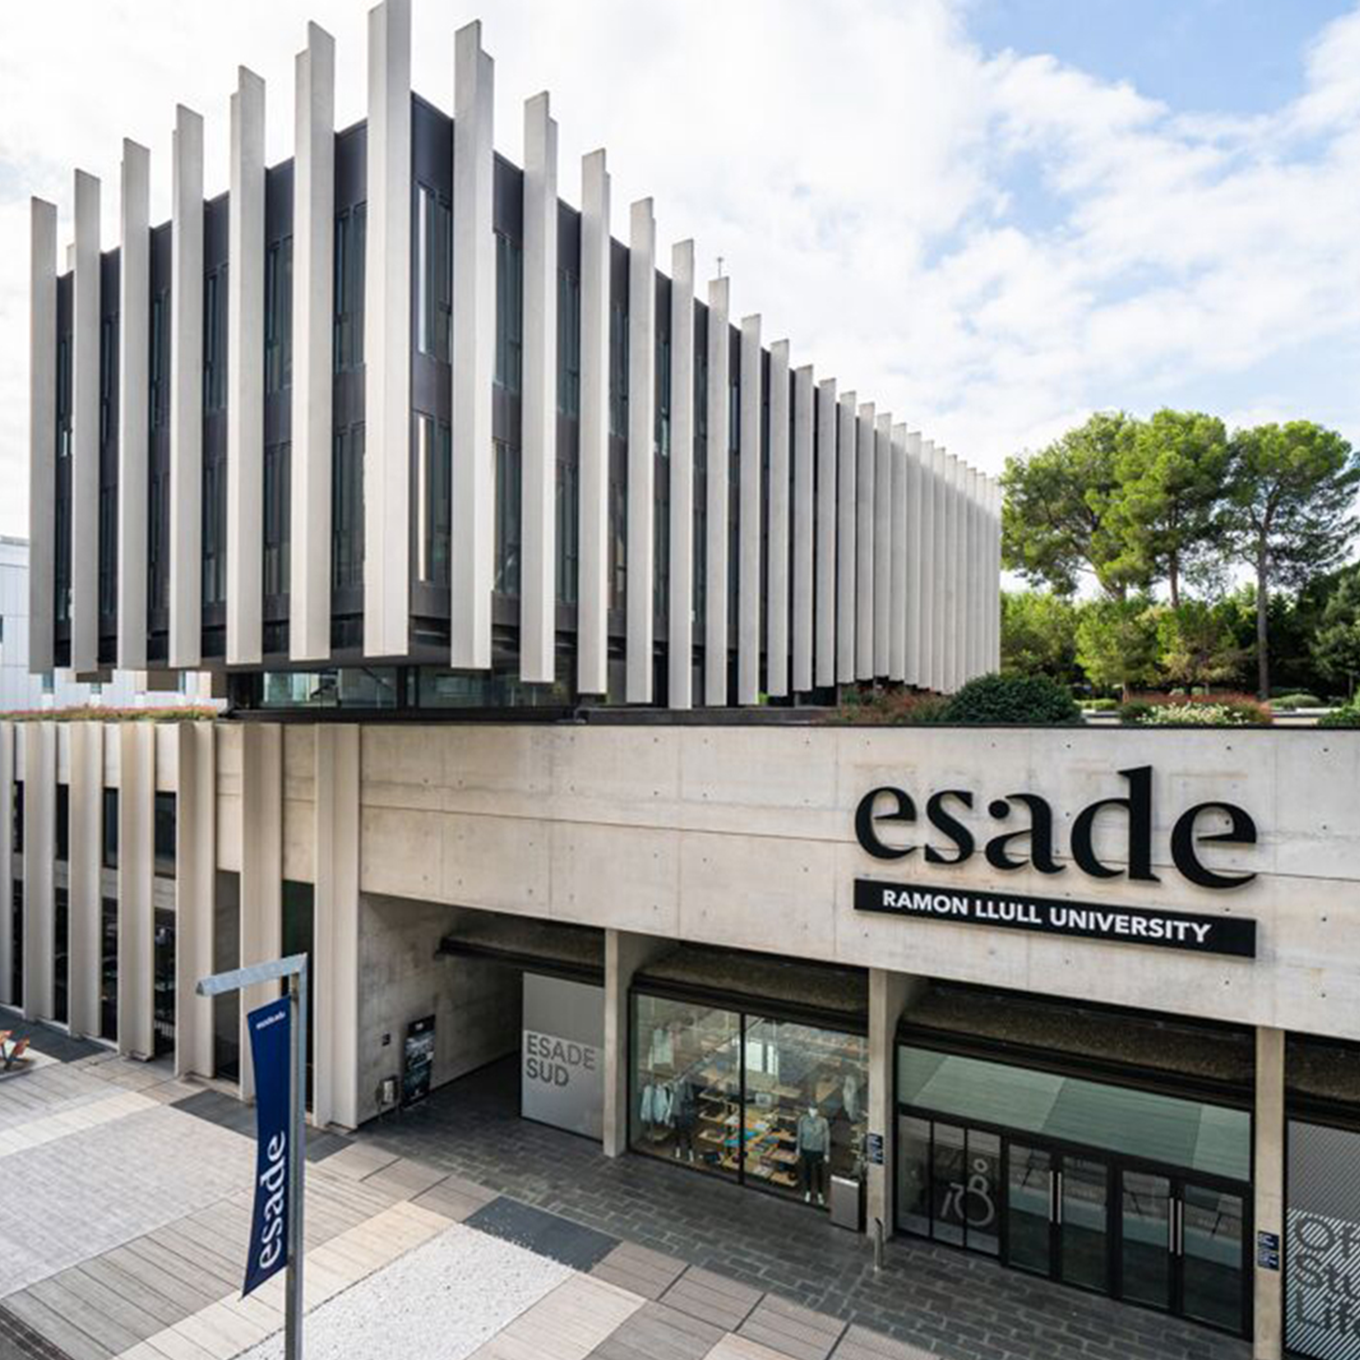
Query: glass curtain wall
x=754, y=1098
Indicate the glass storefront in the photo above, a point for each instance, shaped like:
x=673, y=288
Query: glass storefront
x=756, y=1098
x=1127, y=1192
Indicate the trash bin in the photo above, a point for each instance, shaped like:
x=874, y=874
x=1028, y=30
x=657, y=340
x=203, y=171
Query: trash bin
x=847, y=1203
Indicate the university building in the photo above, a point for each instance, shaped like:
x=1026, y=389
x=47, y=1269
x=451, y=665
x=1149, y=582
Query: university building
x=531, y=578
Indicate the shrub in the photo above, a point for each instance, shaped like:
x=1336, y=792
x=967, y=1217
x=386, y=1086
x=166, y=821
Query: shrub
x=1197, y=710
x=1098, y=705
x=1346, y=716
x=1135, y=711
x=995, y=699
x=1288, y=702
x=899, y=707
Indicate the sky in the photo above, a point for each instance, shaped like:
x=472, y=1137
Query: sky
x=990, y=217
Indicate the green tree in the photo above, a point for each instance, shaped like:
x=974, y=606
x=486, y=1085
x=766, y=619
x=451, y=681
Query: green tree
x=1335, y=646
x=1288, y=513
x=1059, y=520
x=1038, y=635
x=1171, y=476
x=1197, y=644
x=1117, y=643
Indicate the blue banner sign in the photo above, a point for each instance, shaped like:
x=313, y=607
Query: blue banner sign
x=271, y=1048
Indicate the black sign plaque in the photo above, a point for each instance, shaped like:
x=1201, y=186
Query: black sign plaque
x=1201, y=934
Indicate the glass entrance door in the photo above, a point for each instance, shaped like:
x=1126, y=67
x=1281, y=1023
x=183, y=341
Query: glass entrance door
x=1211, y=1246
x=1146, y=1239
x=1058, y=1212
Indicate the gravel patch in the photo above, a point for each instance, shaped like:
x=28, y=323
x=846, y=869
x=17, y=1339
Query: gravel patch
x=439, y=1302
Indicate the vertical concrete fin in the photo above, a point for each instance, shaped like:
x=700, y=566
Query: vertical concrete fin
x=40, y=815
x=311, y=453
x=8, y=944
x=537, y=587
x=897, y=608
x=780, y=521
x=748, y=516
x=195, y=890
x=865, y=490
x=85, y=803
x=42, y=435
x=804, y=474
x=134, y=382
x=85, y=341
x=912, y=533
x=245, y=375
x=136, y=883
x=593, y=595
x=716, y=457
x=641, y=445
x=680, y=683
x=387, y=335
x=847, y=612
x=472, y=556
x=882, y=545
x=826, y=533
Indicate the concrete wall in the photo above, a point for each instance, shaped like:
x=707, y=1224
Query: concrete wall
x=476, y=1004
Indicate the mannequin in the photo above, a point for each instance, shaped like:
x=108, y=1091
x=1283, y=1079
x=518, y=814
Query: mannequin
x=813, y=1144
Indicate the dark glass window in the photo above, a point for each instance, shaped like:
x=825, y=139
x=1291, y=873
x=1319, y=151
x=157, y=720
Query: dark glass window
x=507, y=518
x=16, y=976
x=61, y=955
x=277, y=508
x=110, y=819
x=108, y=549
x=108, y=365
x=108, y=969
x=568, y=344
x=163, y=983
x=347, y=508
x=63, y=821
x=62, y=573
x=434, y=273
x=215, y=340
x=618, y=372
x=509, y=312
x=618, y=542
x=700, y=552
x=350, y=231
x=278, y=316
x=214, y=529
x=17, y=829
x=160, y=359
x=568, y=531
x=434, y=496
x=663, y=395
x=158, y=539
x=299, y=935
x=165, y=834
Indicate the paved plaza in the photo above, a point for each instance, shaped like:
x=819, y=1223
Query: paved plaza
x=462, y=1230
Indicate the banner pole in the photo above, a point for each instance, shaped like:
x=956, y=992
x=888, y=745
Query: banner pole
x=297, y=1161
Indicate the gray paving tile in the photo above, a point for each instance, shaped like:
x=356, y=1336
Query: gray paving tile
x=863, y=1343
x=541, y=1232
x=656, y=1332
x=404, y=1178
x=791, y=1329
x=454, y=1198
x=639, y=1270
x=56, y=1329
x=713, y=1298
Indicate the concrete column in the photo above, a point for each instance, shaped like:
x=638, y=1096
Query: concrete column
x=977, y=574
x=912, y=534
x=474, y=348
x=780, y=530
x=748, y=517
x=939, y=614
x=889, y=996
x=926, y=676
x=952, y=554
x=897, y=609
x=387, y=347
x=6, y=862
x=804, y=473
x=261, y=862
x=186, y=393
x=136, y=873
x=641, y=444
x=538, y=425
x=245, y=375
x=40, y=816
x=846, y=548
x=826, y=533
x=195, y=892
x=85, y=333
x=134, y=385
x=1269, y=1170
x=994, y=575
x=592, y=623
x=715, y=458
x=42, y=434
x=680, y=647
x=865, y=492
x=624, y=954
x=84, y=864
x=958, y=568
x=336, y=945
x=309, y=525
x=883, y=494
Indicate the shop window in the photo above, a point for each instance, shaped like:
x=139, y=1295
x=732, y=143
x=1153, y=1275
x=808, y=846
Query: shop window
x=278, y=316
x=108, y=969
x=165, y=835
x=509, y=312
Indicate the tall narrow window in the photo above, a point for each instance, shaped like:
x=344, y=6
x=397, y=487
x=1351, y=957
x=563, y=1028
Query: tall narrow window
x=509, y=311
x=700, y=550
x=215, y=340
x=160, y=359
x=108, y=549
x=568, y=344
x=663, y=395
x=350, y=233
x=507, y=518
x=618, y=372
x=63, y=480
x=434, y=472
x=568, y=528
x=214, y=530
x=434, y=273
x=347, y=509
x=277, y=508
x=278, y=316
x=108, y=360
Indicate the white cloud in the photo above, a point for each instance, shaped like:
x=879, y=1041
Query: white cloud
x=988, y=245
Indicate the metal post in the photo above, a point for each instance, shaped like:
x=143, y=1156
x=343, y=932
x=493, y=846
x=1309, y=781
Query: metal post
x=297, y=1142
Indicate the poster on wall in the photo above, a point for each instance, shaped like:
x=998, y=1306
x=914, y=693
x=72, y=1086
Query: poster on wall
x=417, y=1062
x=562, y=1055
x=1322, y=1243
